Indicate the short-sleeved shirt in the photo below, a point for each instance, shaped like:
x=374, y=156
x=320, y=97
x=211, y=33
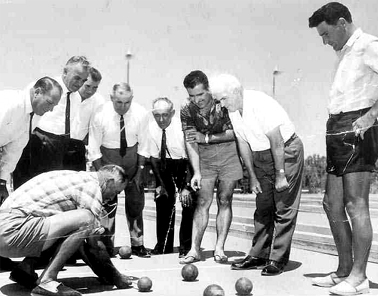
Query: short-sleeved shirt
x=55, y=192
x=214, y=122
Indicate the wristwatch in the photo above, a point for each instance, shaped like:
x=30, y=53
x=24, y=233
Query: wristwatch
x=207, y=138
x=3, y=182
x=281, y=171
x=141, y=167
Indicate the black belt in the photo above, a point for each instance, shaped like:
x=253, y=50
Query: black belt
x=291, y=139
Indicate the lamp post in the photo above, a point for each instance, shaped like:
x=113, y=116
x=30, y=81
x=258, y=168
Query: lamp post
x=128, y=58
x=275, y=73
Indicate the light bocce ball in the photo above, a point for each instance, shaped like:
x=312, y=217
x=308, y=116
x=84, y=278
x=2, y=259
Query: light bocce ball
x=144, y=284
x=243, y=286
x=124, y=252
x=189, y=272
x=213, y=290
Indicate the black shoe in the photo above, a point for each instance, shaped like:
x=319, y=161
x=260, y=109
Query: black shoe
x=249, y=262
x=156, y=251
x=273, y=268
x=23, y=278
x=182, y=253
x=140, y=251
x=6, y=264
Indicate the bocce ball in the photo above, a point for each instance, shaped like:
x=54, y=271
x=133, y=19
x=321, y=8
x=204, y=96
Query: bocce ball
x=213, y=290
x=124, y=252
x=189, y=272
x=144, y=284
x=243, y=286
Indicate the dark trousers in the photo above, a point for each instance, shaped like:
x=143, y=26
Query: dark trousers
x=276, y=212
x=134, y=200
x=21, y=173
x=165, y=209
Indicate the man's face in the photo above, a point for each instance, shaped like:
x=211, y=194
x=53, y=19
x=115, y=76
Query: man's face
x=111, y=189
x=333, y=35
x=41, y=103
x=89, y=88
x=74, y=77
x=163, y=114
x=122, y=101
x=231, y=101
x=201, y=97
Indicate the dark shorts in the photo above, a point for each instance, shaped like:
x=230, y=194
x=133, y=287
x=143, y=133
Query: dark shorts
x=347, y=153
x=21, y=235
x=220, y=161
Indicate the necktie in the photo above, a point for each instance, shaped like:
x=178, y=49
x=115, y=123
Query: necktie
x=31, y=124
x=67, y=123
x=122, y=149
x=163, y=151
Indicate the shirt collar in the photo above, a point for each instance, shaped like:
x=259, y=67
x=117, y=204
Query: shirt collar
x=352, y=39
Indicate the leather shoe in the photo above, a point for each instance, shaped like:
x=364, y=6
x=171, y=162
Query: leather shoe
x=249, y=262
x=6, y=264
x=273, y=268
x=140, y=251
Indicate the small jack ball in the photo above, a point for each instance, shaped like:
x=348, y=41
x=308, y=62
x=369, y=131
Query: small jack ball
x=213, y=290
x=243, y=286
x=189, y=272
x=144, y=284
x=124, y=252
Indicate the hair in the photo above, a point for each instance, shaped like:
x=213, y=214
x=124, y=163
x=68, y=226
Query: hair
x=112, y=171
x=95, y=74
x=82, y=60
x=195, y=78
x=225, y=83
x=47, y=84
x=330, y=13
x=165, y=99
x=123, y=85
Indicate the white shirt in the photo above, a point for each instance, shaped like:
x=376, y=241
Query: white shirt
x=14, y=128
x=104, y=129
x=54, y=122
x=261, y=114
x=151, y=139
x=87, y=110
x=355, y=84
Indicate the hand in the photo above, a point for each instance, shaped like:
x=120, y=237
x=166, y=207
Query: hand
x=138, y=180
x=281, y=182
x=185, y=198
x=195, y=183
x=3, y=193
x=255, y=186
x=362, y=124
x=160, y=191
x=192, y=136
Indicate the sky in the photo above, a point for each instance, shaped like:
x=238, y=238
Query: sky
x=170, y=38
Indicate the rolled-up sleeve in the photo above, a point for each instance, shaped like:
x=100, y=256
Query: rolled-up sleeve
x=95, y=136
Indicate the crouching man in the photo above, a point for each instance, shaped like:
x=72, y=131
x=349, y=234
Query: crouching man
x=60, y=209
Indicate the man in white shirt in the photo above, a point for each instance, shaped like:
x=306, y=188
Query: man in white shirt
x=273, y=156
x=163, y=143
x=352, y=145
x=75, y=158
x=15, y=118
x=52, y=136
x=114, y=137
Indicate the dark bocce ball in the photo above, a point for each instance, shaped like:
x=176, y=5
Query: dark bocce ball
x=144, y=284
x=213, y=290
x=124, y=252
x=243, y=286
x=189, y=272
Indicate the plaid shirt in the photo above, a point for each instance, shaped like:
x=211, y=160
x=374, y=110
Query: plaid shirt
x=214, y=122
x=55, y=192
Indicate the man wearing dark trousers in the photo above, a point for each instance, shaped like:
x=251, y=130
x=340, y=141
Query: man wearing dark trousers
x=114, y=136
x=16, y=115
x=163, y=142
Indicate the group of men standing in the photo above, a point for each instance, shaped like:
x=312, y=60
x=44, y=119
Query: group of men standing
x=223, y=126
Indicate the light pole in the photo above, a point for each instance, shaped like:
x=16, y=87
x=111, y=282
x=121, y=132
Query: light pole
x=128, y=58
x=275, y=73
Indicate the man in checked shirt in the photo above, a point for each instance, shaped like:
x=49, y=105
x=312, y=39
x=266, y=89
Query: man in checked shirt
x=60, y=209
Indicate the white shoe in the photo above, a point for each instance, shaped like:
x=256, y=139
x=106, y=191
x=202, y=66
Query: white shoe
x=328, y=281
x=346, y=289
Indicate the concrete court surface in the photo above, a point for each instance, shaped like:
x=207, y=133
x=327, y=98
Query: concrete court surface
x=165, y=271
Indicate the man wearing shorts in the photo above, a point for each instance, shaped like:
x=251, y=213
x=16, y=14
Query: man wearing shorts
x=212, y=151
x=59, y=209
x=352, y=145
